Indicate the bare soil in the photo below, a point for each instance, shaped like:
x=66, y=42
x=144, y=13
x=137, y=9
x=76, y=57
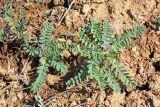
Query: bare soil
x=142, y=60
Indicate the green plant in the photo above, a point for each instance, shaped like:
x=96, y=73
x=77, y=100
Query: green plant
x=97, y=46
x=46, y=50
x=100, y=50
x=13, y=30
x=49, y=52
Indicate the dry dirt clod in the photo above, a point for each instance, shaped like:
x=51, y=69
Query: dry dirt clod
x=20, y=95
x=86, y=9
x=52, y=79
x=58, y=2
x=158, y=1
x=154, y=83
x=137, y=58
x=115, y=100
x=99, y=11
x=3, y=71
x=102, y=97
x=74, y=19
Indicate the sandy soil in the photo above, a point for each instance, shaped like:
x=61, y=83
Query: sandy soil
x=142, y=60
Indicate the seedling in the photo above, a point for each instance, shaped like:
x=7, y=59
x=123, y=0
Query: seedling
x=97, y=46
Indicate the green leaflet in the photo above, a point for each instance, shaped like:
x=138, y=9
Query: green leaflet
x=59, y=65
x=77, y=79
x=74, y=48
x=126, y=38
x=123, y=75
x=107, y=32
x=46, y=35
x=96, y=52
x=158, y=21
x=31, y=50
x=3, y=35
x=51, y=51
x=20, y=26
x=42, y=71
x=9, y=18
x=13, y=28
x=98, y=44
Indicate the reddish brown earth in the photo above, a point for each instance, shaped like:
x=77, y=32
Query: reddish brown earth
x=142, y=59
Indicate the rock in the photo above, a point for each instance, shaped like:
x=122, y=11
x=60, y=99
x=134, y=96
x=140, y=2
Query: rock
x=99, y=11
x=74, y=103
x=156, y=102
x=74, y=19
x=86, y=9
x=102, y=97
x=116, y=100
x=20, y=95
x=3, y=71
